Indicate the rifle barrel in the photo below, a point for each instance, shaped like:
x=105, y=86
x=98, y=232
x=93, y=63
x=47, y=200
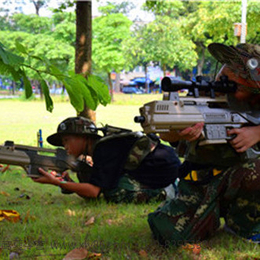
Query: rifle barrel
x=8, y=156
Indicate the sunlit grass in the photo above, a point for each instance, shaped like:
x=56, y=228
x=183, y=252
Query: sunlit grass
x=21, y=120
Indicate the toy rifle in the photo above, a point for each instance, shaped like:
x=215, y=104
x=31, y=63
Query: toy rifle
x=175, y=112
x=30, y=158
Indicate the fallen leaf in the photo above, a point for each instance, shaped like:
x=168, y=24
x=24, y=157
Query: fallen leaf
x=188, y=247
x=3, y=169
x=4, y=193
x=115, y=221
x=90, y=221
x=196, y=249
x=143, y=253
x=192, y=248
x=77, y=253
x=71, y=212
x=10, y=215
x=109, y=222
x=94, y=256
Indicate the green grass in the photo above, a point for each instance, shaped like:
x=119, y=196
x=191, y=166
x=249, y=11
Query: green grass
x=20, y=120
x=52, y=224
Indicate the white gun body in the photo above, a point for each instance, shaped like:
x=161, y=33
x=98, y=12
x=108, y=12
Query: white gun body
x=176, y=113
x=166, y=115
x=30, y=159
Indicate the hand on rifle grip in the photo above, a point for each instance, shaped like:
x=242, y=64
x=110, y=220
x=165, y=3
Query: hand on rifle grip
x=192, y=133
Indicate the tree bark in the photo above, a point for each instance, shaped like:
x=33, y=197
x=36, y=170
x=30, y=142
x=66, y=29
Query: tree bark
x=201, y=61
x=164, y=69
x=110, y=86
x=38, y=5
x=83, y=46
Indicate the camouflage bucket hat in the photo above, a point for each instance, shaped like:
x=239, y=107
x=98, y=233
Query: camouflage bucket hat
x=243, y=60
x=74, y=126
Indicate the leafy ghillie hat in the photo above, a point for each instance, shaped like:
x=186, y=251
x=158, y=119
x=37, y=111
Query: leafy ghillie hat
x=73, y=126
x=243, y=60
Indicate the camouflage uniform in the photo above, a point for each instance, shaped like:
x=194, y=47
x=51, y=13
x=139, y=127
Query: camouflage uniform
x=129, y=190
x=229, y=189
x=233, y=194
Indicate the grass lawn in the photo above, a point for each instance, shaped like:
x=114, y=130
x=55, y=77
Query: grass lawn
x=20, y=120
x=52, y=224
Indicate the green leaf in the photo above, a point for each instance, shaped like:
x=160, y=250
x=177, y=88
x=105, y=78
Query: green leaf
x=36, y=57
x=48, y=100
x=80, y=94
x=10, y=58
x=16, y=74
x=102, y=90
x=6, y=69
x=27, y=86
x=3, y=55
x=73, y=90
x=20, y=47
x=56, y=72
x=90, y=95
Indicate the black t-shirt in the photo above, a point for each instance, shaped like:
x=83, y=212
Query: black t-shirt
x=157, y=170
x=109, y=158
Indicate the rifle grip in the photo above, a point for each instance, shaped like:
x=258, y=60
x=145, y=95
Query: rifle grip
x=33, y=170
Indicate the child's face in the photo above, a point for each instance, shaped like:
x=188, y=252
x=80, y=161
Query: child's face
x=241, y=93
x=74, y=144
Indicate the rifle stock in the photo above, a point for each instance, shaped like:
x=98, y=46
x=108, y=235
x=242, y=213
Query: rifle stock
x=30, y=159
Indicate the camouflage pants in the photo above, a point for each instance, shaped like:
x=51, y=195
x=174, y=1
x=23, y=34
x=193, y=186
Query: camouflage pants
x=194, y=215
x=129, y=190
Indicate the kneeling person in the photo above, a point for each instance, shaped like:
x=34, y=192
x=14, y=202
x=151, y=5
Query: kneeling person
x=125, y=167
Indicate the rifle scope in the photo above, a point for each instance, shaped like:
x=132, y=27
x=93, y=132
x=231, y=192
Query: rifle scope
x=224, y=85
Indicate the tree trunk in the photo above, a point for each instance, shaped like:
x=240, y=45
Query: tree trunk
x=13, y=85
x=164, y=69
x=38, y=88
x=83, y=46
x=110, y=86
x=38, y=5
x=201, y=62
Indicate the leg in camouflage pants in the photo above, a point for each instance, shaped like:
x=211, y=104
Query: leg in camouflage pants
x=194, y=214
x=129, y=190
